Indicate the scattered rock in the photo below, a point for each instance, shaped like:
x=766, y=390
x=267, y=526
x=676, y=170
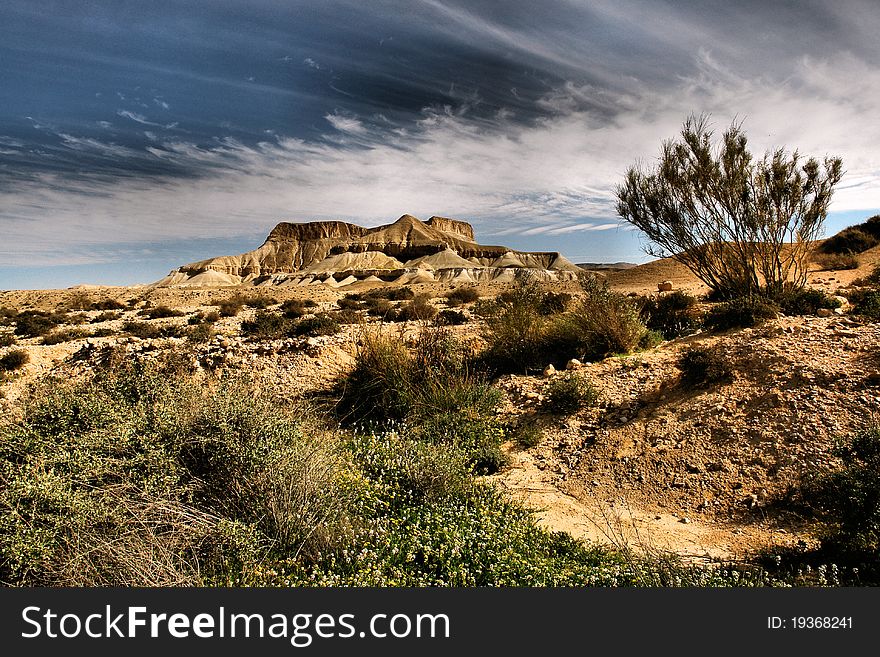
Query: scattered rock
x=549, y=370
x=665, y=286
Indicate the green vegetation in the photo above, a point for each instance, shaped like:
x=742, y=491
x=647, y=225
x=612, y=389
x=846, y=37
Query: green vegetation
x=673, y=315
x=867, y=304
x=806, y=301
x=419, y=308
x=317, y=325
x=65, y=335
x=837, y=261
x=14, y=359
x=449, y=317
x=34, y=323
x=107, y=316
x=704, y=366
x=230, y=307
x=744, y=312
x=743, y=225
x=568, y=393
x=460, y=296
x=160, y=312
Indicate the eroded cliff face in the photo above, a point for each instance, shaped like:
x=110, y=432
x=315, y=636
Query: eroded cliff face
x=294, y=251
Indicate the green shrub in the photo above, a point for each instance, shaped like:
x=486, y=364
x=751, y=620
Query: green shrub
x=568, y=393
x=850, y=497
x=107, y=316
x=347, y=316
x=387, y=293
x=650, y=339
x=67, y=335
x=347, y=303
x=554, y=302
x=317, y=325
x=147, y=331
x=230, y=307
x=14, y=359
x=837, y=261
x=293, y=309
x=432, y=389
x=704, y=366
x=267, y=325
x=461, y=295
x=7, y=339
x=673, y=314
x=744, y=312
x=516, y=333
x=419, y=308
x=449, y=317
x=200, y=333
x=867, y=304
x=849, y=241
x=527, y=434
x=381, y=308
x=107, y=304
x=148, y=478
x=160, y=312
x=260, y=301
x=33, y=324
x=600, y=323
x=806, y=301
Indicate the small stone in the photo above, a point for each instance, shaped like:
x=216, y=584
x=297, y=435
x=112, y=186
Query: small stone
x=665, y=286
x=549, y=370
x=573, y=364
x=824, y=312
x=685, y=521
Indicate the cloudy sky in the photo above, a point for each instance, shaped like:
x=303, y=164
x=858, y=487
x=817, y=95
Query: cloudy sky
x=137, y=136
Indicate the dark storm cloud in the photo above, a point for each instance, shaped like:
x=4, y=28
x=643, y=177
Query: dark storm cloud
x=127, y=122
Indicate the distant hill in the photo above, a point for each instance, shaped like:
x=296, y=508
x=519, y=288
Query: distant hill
x=338, y=253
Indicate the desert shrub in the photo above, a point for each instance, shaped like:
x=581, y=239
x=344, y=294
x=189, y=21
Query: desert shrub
x=554, y=302
x=432, y=388
x=14, y=359
x=32, y=323
x=387, y=293
x=380, y=308
x=744, y=312
x=837, y=261
x=850, y=496
x=230, y=307
x=347, y=316
x=419, y=308
x=293, y=309
x=77, y=300
x=867, y=304
x=568, y=393
x=107, y=316
x=650, y=339
x=107, y=304
x=267, y=325
x=66, y=335
x=7, y=315
x=260, y=301
x=449, y=317
x=515, y=330
x=806, y=301
x=673, y=315
x=601, y=322
x=7, y=339
x=145, y=477
x=199, y=333
x=160, y=312
x=347, y=303
x=102, y=332
x=849, y=241
x=872, y=279
x=527, y=434
x=704, y=366
x=147, y=331
x=461, y=295
x=317, y=325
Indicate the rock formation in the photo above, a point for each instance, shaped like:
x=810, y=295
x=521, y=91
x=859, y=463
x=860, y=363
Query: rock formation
x=337, y=253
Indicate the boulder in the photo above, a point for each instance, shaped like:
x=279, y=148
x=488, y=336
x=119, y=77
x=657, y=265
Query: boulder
x=665, y=286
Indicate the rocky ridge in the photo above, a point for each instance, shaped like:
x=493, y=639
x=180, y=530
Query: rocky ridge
x=337, y=254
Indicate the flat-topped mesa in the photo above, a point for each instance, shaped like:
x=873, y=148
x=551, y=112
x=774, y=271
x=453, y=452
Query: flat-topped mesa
x=297, y=251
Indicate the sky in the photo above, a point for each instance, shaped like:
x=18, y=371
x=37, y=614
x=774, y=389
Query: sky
x=139, y=136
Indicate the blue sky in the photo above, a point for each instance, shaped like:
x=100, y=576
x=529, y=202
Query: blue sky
x=137, y=136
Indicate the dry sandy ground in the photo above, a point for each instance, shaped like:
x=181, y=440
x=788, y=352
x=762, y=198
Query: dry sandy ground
x=656, y=466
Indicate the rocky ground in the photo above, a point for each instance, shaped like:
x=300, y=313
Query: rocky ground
x=703, y=471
